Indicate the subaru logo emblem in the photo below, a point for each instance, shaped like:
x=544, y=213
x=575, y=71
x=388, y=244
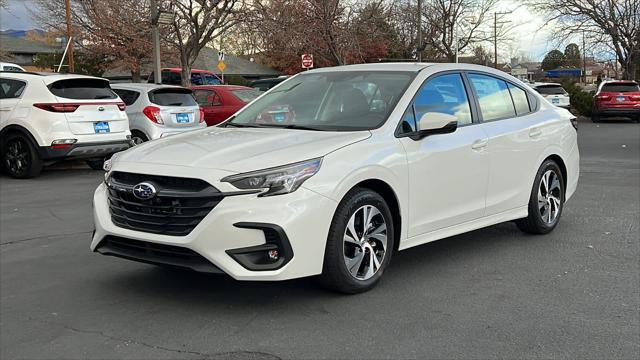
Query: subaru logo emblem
x=100, y=108
x=144, y=191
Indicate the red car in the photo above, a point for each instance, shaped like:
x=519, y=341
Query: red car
x=173, y=76
x=617, y=98
x=219, y=102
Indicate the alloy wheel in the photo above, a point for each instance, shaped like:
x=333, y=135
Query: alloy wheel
x=17, y=156
x=365, y=242
x=550, y=197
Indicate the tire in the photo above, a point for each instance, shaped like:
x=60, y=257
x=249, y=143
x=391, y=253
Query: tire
x=20, y=158
x=595, y=118
x=545, y=207
x=95, y=164
x=343, y=247
x=137, y=137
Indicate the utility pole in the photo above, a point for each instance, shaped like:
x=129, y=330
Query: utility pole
x=495, y=34
x=584, y=60
x=419, y=30
x=69, y=36
x=155, y=38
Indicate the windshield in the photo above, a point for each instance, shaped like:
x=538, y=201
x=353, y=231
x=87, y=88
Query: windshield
x=331, y=101
x=246, y=95
x=550, y=90
x=621, y=87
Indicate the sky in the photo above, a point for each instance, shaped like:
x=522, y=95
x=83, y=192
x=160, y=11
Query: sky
x=529, y=39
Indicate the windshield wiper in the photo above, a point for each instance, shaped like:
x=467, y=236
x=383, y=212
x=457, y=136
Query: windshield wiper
x=227, y=124
x=292, y=126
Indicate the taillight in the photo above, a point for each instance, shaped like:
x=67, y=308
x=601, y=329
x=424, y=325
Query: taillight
x=122, y=106
x=603, y=97
x=635, y=97
x=153, y=114
x=57, y=107
x=201, y=115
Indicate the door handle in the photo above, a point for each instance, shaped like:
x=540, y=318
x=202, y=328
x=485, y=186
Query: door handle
x=535, y=131
x=479, y=144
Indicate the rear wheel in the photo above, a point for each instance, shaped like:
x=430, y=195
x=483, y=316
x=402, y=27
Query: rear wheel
x=95, y=164
x=20, y=158
x=595, y=118
x=137, y=137
x=360, y=243
x=546, y=201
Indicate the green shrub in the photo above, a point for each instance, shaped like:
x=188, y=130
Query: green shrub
x=236, y=80
x=581, y=101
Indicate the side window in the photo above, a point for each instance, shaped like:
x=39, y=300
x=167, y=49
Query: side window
x=520, y=100
x=128, y=96
x=215, y=98
x=11, y=89
x=196, y=79
x=493, y=96
x=202, y=97
x=444, y=94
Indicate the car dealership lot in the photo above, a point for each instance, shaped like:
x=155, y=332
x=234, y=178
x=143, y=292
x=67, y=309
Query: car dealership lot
x=491, y=293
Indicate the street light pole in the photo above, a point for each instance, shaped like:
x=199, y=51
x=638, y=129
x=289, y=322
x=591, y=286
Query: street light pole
x=155, y=37
x=495, y=35
x=69, y=35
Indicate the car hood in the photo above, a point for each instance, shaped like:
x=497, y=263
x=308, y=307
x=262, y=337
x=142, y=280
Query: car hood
x=240, y=149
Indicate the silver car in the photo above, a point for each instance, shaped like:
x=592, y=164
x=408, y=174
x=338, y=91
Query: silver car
x=157, y=111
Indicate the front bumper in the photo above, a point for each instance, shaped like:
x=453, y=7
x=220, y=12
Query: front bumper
x=84, y=150
x=235, y=227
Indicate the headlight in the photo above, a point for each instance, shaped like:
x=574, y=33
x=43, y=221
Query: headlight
x=278, y=180
x=107, y=165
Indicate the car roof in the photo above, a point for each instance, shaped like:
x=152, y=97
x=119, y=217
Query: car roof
x=48, y=77
x=221, y=87
x=396, y=66
x=143, y=86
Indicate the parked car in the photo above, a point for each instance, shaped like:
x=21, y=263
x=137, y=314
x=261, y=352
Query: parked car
x=157, y=111
x=340, y=168
x=221, y=101
x=173, y=76
x=46, y=118
x=617, y=99
x=554, y=93
x=10, y=67
x=266, y=84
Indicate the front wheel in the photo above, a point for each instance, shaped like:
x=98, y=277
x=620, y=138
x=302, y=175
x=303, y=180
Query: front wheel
x=546, y=201
x=360, y=243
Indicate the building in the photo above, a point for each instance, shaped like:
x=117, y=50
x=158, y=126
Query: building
x=24, y=52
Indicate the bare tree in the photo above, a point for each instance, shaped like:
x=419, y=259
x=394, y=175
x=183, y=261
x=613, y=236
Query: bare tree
x=615, y=23
x=197, y=23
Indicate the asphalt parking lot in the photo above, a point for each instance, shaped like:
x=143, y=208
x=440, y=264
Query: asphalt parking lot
x=492, y=293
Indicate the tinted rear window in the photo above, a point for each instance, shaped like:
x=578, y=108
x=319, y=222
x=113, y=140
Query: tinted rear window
x=172, y=97
x=620, y=87
x=550, y=90
x=246, y=95
x=82, y=89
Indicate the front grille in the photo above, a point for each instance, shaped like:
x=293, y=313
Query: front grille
x=153, y=253
x=177, y=208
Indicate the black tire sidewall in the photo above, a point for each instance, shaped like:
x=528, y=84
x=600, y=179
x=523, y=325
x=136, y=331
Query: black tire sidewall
x=35, y=164
x=534, y=212
x=334, y=254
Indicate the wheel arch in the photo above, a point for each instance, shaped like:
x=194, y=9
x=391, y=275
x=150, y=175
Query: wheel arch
x=391, y=198
x=11, y=129
x=563, y=168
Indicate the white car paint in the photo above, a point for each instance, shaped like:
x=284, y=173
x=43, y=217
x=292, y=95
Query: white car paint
x=20, y=113
x=10, y=67
x=138, y=121
x=561, y=100
x=479, y=175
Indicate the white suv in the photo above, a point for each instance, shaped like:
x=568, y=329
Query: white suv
x=334, y=169
x=554, y=93
x=47, y=118
x=157, y=111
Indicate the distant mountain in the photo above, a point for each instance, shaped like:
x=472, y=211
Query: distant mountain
x=21, y=33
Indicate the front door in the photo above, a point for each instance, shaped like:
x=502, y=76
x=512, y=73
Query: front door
x=448, y=173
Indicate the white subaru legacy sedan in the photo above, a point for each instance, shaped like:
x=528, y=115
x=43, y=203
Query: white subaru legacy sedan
x=335, y=169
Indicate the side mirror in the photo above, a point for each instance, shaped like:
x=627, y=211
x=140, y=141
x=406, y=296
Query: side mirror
x=433, y=123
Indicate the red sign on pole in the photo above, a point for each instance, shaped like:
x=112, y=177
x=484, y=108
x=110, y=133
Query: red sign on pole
x=307, y=61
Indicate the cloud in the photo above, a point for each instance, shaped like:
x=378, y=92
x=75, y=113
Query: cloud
x=16, y=15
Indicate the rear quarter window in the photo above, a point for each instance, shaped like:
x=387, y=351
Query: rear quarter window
x=172, y=97
x=621, y=87
x=82, y=89
x=128, y=96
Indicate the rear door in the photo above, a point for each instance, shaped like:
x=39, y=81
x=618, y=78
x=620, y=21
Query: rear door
x=10, y=93
x=90, y=106
x=215, y=111
x=178, y=108
x=516, y=140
